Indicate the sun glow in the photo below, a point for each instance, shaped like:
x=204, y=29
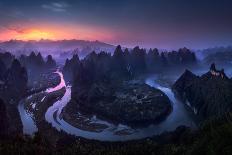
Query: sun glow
x=36, y=35
x=49, y=31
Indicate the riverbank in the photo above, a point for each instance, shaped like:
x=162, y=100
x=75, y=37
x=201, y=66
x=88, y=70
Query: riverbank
x=81, y=121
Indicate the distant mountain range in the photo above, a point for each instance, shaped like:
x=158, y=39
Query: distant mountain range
x=83, y=47
x=203, y=53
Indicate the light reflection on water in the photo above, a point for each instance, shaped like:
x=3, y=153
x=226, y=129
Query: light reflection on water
x=60, y=85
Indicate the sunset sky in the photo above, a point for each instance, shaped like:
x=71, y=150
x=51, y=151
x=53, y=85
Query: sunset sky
x=148, y=23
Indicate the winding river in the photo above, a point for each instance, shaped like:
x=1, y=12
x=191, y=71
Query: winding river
x=179, y=116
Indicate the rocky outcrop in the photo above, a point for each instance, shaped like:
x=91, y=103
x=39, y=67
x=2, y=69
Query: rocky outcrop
x=36, y=63
x=130, y=102
x=16, y=80
x=208, y=95
x=36, y=66
x=70, y=67
x=51, y=63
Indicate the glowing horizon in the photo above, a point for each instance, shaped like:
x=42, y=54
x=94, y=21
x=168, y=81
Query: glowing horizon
x=35, y=34
x=56, y=33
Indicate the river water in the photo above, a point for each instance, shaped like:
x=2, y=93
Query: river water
x=179, y=116
x=29, y=126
